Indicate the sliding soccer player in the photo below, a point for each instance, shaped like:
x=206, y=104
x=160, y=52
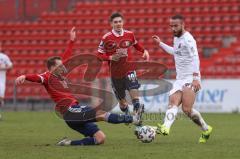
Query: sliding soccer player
x=77, y=116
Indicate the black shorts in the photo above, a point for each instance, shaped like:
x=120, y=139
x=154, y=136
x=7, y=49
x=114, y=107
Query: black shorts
x=128, y=82
x=81, y=119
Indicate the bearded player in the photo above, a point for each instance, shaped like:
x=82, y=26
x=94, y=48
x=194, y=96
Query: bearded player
x=188, y=80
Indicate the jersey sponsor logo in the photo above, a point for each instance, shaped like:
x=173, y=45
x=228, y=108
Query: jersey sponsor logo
x=122, y=52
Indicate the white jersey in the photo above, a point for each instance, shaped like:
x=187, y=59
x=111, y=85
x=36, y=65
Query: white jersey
x=185, y=55
x=4, y=63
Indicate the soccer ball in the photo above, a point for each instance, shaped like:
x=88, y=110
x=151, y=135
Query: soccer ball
x=146, y=134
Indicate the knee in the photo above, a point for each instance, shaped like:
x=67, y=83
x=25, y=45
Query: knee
x=100, y=138
x=186, y=110
x=100, y=115
x=174, y=102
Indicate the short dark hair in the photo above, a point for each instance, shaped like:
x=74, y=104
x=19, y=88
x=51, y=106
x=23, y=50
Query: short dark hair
x=178, y=16
x=51, y=61
x=115, y=15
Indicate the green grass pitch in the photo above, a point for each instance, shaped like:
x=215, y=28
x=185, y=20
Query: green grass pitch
x=32, y=135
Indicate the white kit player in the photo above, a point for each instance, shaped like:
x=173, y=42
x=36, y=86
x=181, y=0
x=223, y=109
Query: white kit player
x=188, y=80
x=5, y=64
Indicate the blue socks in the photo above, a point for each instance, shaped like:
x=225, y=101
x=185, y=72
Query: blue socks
x=85, y=141
x=118, y=118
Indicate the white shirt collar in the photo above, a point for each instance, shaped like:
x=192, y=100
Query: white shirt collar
x=116, y=34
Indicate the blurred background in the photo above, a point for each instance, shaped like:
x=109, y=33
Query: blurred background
x=33, y=30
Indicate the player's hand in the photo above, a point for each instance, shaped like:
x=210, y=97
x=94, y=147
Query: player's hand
x=73, y=34
x=20, y=79
x=156, y=39
x=146, y=55
x=115, y=57
x=195, y=85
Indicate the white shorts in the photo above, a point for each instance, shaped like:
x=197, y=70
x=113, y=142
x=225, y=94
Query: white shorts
x=2, y=89
x=178, y=84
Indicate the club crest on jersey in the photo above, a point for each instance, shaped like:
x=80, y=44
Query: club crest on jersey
x=125, y=44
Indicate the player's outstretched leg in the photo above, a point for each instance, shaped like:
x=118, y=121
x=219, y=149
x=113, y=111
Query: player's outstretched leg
x=187, y=104
x=171, y=113
x=119, y=118
x=169, y=119
x=88, y=114
x=93, y=135
x=83, y=142
x=82, y=118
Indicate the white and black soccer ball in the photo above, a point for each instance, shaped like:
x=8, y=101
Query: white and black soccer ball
x=146, y=134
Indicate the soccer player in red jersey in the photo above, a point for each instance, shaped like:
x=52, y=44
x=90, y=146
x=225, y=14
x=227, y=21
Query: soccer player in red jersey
x=79, y=117
x=115, y=48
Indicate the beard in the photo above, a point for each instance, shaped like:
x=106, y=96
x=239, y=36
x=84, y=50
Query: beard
x=178, y=34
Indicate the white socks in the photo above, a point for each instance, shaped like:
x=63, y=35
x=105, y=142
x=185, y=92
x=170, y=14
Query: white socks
x=170, y=116
x=196, y=117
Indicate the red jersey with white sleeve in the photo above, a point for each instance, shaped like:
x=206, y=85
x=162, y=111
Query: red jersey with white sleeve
x=56, y=87
x=113, y=43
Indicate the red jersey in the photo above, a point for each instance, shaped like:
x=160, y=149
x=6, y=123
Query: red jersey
x=56, y=87
x=113, y=43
